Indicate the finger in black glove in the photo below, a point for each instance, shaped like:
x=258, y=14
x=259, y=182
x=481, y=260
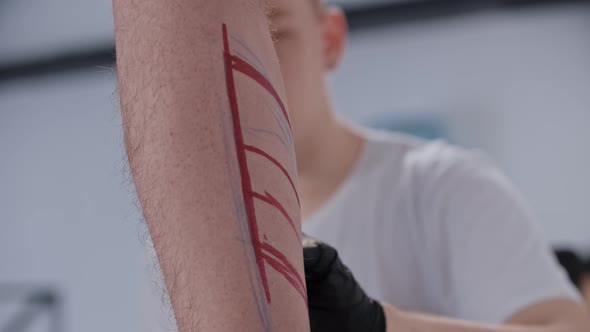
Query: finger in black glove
x=337, y=303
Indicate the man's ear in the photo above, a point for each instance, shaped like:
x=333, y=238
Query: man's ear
x=335, y=36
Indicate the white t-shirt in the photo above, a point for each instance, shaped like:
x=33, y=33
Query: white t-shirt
x=432, y=228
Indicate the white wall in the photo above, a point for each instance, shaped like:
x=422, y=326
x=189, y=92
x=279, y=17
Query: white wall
x=32, y=29
x=515, y=83
x=65, y=212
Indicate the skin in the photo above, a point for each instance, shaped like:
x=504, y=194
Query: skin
x=310, y=43
x=182, y=149
x=586, y=290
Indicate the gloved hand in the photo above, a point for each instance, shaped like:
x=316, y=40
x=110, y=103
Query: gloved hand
x=337, y=303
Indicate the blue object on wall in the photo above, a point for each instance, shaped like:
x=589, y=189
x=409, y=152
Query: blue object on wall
x=426, y=127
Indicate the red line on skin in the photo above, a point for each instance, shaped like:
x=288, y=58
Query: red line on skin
x=269, y=199
x=280, y=268
x=248, y=70
x=276, y=162
x=283, y=259
x=243, y=163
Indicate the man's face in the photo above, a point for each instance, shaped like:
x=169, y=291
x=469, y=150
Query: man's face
x=298, y=33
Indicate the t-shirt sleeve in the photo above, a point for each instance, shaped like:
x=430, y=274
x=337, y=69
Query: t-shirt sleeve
x=486, y=251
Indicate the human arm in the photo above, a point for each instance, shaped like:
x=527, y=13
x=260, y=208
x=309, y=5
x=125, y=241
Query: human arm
x=494, y=265
x=482, y=257
x=211, y=154
x=557, y=315
x=335, y=297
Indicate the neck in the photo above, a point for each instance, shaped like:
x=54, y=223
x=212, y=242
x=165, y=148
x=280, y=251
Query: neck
x=326, y=161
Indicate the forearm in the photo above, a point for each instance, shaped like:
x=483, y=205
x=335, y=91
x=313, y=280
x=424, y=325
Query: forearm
x=212, y=200
x=400, y=321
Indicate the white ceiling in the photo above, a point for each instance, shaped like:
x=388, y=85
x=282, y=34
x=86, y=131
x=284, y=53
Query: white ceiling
x=30, y=29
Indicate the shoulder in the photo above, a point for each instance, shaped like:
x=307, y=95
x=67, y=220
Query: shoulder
x=435, y=179
x=462, y=193
x=428, y=164
x=420, y=154
x=474, y=231
x=441, y=182
x=442, y=162
x=441, y=170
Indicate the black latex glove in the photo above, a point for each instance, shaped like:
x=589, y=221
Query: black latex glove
x=337, y=303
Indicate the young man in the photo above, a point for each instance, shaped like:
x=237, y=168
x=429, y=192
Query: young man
x=424, y=227
x=429, y=230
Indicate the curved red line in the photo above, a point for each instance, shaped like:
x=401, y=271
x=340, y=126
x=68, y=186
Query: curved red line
x=276, y=162
x=243, y=163
x=283, y=259
x=269, y=199
x=280, y=268
x=248, y=70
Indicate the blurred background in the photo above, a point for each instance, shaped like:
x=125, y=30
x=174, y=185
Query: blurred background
x=509, y=77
